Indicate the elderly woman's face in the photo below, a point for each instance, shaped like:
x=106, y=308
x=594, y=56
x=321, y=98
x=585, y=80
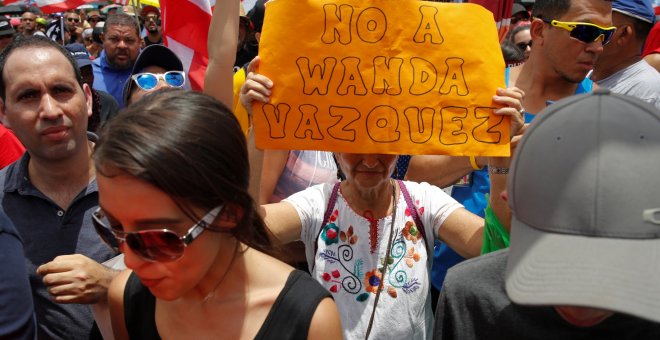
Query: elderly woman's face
x=367, y=170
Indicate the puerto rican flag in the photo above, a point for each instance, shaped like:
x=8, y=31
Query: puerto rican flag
x=51, y=6
x=186, y=31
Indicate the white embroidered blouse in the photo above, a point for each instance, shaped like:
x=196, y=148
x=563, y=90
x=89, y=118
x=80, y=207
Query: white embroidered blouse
x=345, y=264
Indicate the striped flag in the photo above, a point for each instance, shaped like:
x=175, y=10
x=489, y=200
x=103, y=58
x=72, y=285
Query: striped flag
x=186, y=31
x=55, y=30
x=52, y=6
x=122, y=2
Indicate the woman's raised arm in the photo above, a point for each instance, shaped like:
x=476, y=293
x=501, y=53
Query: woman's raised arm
x=222, y=42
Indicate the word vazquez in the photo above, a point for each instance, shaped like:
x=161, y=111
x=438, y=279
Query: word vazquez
x=384, y=124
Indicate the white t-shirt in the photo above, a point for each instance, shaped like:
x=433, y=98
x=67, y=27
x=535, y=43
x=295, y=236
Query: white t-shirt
x=639, y=80
x=345, y=264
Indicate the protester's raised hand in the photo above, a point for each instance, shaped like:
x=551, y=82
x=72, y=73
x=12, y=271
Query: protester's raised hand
x=76, y=279
x=511, y=100
x=256, y=87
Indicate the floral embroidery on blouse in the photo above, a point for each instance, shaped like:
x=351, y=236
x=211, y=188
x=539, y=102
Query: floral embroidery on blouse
x=347, y=272
x=344, y=236
x=411, y=257
x=411, y=233
x=372, y=280
x=330, y=233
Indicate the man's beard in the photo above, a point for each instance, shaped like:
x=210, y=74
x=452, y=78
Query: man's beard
x=153, y=30
x=568, y=78
x=120, y=67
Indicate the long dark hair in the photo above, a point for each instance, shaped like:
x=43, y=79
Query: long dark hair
x=191, y=147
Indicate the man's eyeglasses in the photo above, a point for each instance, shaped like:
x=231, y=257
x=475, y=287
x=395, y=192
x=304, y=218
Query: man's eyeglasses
x=583, y=31
x=94, y=19
x=76, y=20
x=523, y=45
x=158, y=245
x=148, y=81
x=151, y=18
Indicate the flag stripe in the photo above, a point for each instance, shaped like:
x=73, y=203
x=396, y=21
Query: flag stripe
x=185, y=28
x=52, y=6
x=186, y=23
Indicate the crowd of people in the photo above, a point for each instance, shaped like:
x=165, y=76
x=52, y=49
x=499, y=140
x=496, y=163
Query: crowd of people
x=134, y=208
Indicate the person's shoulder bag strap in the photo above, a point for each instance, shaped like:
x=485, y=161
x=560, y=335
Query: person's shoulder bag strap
x=326, y=217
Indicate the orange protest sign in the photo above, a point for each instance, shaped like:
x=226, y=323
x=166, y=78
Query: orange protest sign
x=382, y=76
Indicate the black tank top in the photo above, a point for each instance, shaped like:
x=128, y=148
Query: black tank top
x=289, y=317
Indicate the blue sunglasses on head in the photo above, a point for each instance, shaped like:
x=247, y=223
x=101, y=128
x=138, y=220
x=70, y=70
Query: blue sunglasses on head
x=148, y=81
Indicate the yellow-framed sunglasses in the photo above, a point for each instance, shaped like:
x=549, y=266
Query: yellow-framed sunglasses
x=584, y=31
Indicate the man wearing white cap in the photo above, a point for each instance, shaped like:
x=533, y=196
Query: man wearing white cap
x=584, y=261
x=620, y=67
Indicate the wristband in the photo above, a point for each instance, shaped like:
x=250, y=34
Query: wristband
x=498, y=171
x=474, y=164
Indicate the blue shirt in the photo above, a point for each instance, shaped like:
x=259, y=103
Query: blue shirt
x=47, y=232
x=109, y=79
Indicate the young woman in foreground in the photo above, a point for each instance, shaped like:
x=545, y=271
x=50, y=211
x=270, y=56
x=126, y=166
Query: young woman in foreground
x=173, y=176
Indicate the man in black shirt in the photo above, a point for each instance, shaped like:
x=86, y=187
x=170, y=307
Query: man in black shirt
x=151, y=16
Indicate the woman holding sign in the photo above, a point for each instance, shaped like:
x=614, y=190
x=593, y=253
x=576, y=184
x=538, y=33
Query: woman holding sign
x=368, y=238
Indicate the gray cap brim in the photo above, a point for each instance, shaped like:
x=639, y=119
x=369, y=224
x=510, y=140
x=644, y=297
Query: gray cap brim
x=621, y=275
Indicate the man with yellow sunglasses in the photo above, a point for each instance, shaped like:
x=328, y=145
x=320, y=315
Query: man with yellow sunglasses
x=621, y=68
x=568, y=36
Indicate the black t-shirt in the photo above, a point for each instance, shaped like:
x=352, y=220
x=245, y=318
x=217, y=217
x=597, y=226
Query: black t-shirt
x=109, y=107
x=148, y=42
x=473, y=304
x=289, y=317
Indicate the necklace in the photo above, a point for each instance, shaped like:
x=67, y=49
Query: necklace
x=386, y=262
x=212, y=293
x=373, y=222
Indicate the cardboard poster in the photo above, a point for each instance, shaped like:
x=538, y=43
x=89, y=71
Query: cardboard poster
x=382, y=76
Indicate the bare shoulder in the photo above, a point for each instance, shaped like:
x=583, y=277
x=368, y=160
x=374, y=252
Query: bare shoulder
x=275, y=277
x=116, y=304
x=326, y=323
x=266, y=286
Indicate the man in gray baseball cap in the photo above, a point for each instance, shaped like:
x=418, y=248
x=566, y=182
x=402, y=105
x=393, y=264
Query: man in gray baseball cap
x=584, y=260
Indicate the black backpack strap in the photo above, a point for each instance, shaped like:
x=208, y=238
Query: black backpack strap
x=413, y=211
x=326, y=217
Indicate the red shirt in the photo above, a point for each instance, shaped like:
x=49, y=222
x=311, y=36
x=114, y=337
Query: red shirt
x=11, y=148
x=653, y=41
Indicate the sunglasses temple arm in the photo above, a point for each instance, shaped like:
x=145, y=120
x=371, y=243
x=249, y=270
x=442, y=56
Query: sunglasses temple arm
x=202, y=224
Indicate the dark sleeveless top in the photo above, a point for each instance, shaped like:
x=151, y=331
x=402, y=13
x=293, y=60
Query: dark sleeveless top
x=289, y=317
